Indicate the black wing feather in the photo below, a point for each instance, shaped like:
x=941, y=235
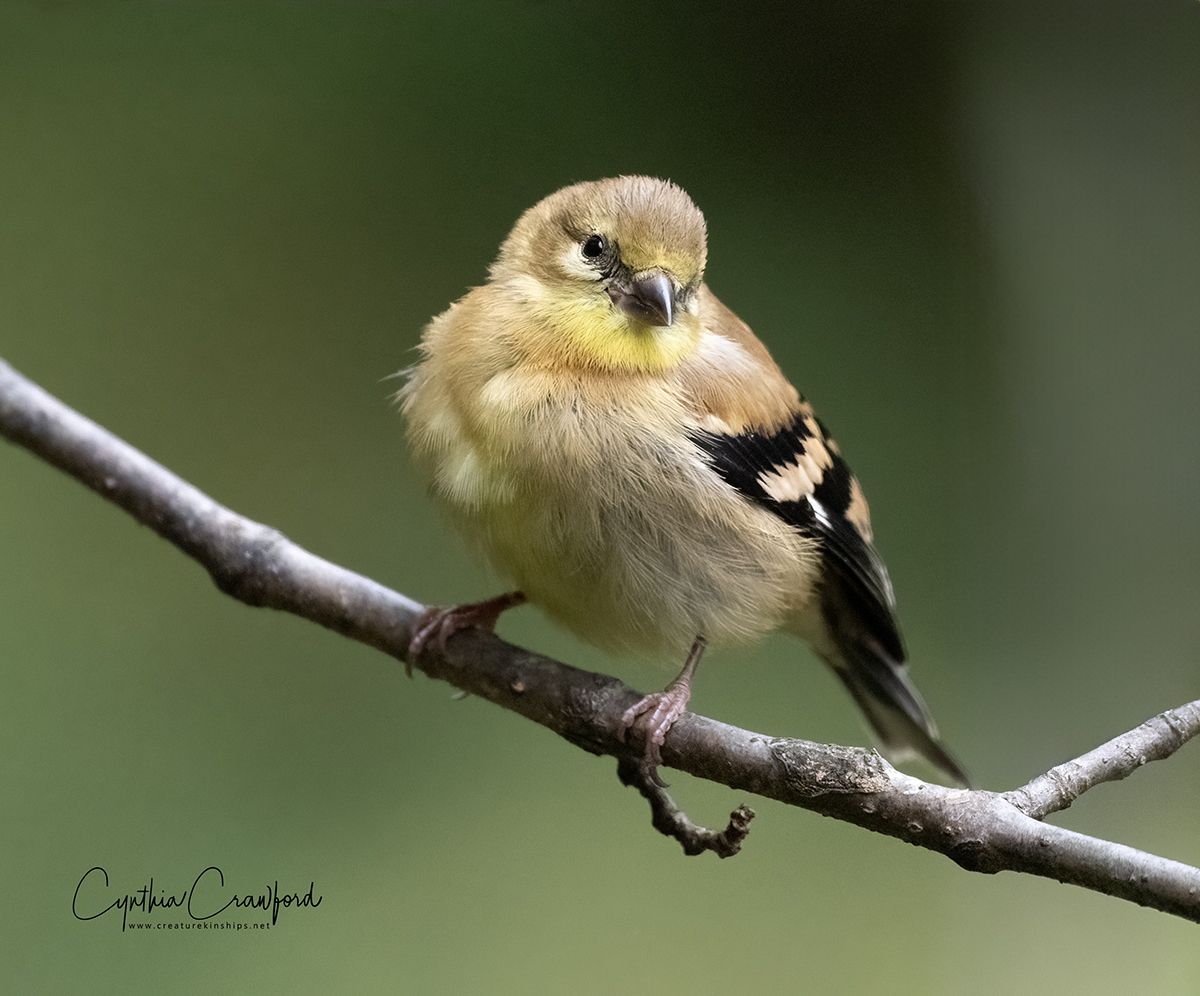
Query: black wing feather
x=857, y=569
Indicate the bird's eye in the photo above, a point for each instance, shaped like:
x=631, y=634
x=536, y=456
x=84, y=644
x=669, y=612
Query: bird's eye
x=594, y=247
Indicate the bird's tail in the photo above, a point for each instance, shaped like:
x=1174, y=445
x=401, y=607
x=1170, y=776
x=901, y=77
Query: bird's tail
x=893, y=706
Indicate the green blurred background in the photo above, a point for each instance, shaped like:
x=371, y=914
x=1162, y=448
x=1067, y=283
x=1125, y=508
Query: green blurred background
x=969, y=233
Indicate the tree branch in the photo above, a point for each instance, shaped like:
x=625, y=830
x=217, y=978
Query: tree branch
x=1154, y=740
x=981, y=831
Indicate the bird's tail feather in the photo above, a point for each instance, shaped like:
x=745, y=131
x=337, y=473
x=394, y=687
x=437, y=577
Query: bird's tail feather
x=894, y=707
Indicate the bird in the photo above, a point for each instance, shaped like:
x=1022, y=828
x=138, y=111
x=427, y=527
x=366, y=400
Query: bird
x=615, y=441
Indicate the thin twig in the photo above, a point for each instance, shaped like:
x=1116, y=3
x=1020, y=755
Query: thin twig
x=671, y=821
x=981, y=831
x=1154, y=740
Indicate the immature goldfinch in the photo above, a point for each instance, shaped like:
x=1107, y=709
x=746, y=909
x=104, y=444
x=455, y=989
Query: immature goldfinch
x=617, y=441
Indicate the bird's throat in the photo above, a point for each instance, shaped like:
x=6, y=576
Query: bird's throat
x=611, y=340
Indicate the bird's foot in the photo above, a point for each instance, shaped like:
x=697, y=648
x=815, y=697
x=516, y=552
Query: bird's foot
x=654, y=715
x=436, y=625
x=652, y=718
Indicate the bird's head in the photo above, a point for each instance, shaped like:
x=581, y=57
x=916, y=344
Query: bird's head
x=609, y=274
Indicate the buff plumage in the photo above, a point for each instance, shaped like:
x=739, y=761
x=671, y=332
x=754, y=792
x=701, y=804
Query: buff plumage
x=617, y=442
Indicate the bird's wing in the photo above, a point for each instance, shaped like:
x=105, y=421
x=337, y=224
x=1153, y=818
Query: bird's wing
x=796, y=472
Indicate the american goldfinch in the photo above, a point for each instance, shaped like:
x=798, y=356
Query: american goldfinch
x=617, y=442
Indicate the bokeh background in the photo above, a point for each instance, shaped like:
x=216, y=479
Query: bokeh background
x=969, y=233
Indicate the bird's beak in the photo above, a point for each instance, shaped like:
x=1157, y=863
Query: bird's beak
x=649, y=297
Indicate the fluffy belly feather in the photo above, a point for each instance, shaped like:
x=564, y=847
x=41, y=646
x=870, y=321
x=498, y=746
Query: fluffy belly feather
x=637, y=547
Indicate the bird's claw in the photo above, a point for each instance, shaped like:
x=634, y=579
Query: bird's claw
x=436, y=625
x=654, y=714
x=652, y=717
